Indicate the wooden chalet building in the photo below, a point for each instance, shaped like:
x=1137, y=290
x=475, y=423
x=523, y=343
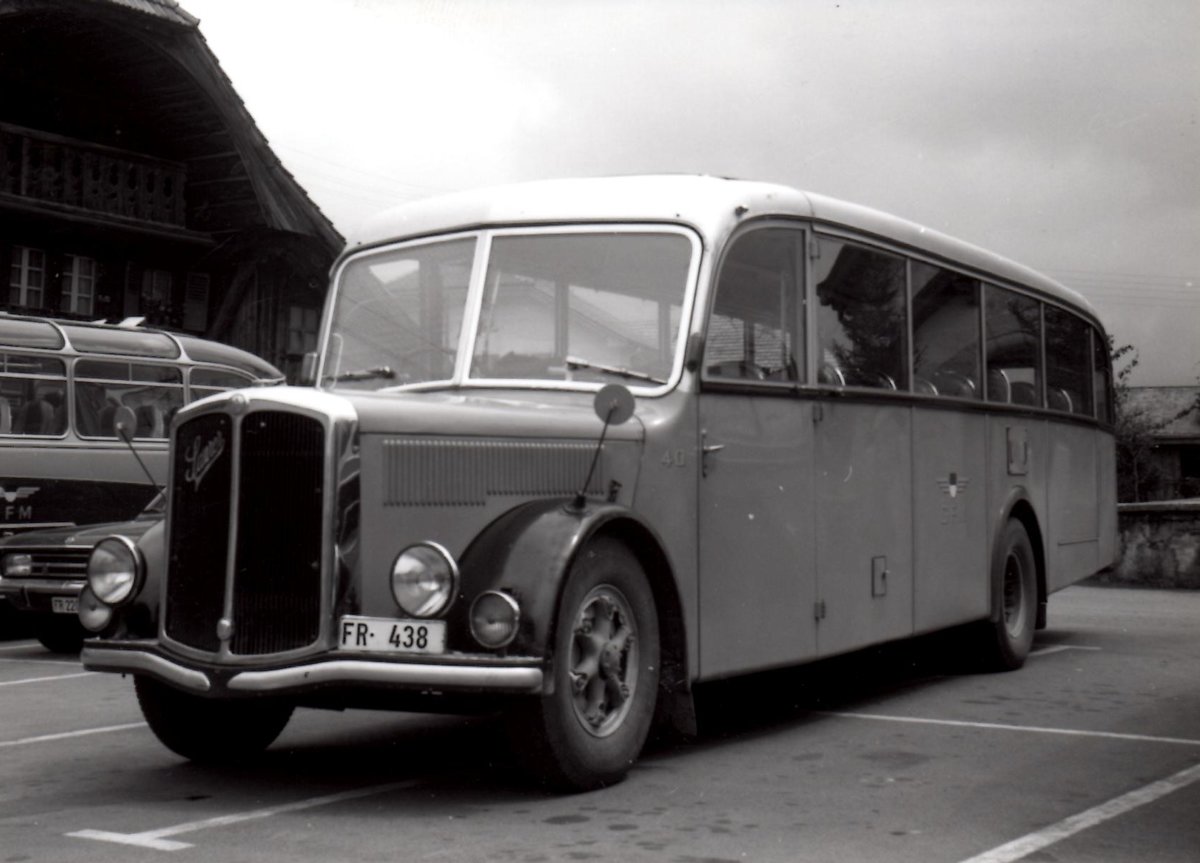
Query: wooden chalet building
x=134, y=183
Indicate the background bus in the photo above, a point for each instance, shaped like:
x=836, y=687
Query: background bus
x=61, y=383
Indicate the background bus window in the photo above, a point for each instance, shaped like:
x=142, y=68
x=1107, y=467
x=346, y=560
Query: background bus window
x=946, y=337
x=1068, y=363
x=1013, y=347
x=101, y=386
x=32, y=395
x=1101, y=377
x=207, y=382
x=861, y=321
x=753, y=331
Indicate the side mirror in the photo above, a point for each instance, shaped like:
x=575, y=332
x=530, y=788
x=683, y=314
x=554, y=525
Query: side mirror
x=613, y=404
x=124, y=423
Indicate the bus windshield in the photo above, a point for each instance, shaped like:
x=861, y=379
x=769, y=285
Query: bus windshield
x=593, y=306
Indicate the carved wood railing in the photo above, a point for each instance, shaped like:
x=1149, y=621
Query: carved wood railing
x=53, y=169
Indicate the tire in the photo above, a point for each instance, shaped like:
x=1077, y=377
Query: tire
x=591, y=729
x=1005, y=640
x=59, y=634
x=210, y=731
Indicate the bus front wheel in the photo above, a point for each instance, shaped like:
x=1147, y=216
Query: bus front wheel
x=1007, y=637
x=591, y=728
x=209, y=731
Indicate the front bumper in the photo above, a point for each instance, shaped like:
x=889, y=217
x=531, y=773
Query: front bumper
x=509, y=677
x=36, y=594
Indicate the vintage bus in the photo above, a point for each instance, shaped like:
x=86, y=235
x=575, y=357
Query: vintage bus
x=62, y=463
x=578, y=446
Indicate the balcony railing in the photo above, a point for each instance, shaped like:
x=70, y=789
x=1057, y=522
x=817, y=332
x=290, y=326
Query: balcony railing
x=51, y=169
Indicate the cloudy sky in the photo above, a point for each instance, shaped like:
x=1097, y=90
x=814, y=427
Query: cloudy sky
x=1063, y=134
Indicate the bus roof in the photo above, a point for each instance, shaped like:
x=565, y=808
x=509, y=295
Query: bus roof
x=712, y=205
x=48, y=334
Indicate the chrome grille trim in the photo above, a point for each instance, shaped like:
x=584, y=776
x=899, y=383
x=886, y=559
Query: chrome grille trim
x=466, y=472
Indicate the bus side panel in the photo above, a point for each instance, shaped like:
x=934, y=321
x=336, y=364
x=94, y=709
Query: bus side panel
x=950, y=518
x=1106, y=466
x=1073, y=527
x=1017, y=470
x=51, y=484
x=863, y=483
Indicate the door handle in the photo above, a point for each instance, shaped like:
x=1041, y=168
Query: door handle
x=707, y=449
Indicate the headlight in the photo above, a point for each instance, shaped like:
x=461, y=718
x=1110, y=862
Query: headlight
x=494, y=619
x=424, y=579
x=17, y=565
x=115, y=570
x=93, y=614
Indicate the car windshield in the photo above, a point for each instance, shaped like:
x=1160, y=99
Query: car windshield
x=592, y=306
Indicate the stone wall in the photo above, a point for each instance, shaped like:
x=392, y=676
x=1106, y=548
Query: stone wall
x=1159, y=545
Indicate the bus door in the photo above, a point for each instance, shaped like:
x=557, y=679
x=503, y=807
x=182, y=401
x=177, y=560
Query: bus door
x=862, y=478
x=755, y=520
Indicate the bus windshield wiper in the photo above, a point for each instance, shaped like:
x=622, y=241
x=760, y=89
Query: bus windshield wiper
x=365, y=374
x=575, y=363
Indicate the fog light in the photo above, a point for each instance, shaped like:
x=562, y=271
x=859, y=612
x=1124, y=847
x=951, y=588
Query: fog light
x=494, y=619
x=93, y=614
x=17, y=565
x=424, y=579
x=114, y=570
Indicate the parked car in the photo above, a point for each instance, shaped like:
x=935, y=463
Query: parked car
x=42, y=572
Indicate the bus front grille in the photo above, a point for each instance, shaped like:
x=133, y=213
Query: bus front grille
x=275, y=524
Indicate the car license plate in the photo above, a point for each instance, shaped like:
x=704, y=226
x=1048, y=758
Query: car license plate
x=64, y=604
x=388, y=635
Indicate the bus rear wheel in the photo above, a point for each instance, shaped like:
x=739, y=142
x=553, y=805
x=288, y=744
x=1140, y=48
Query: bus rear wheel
x=588, y=732
x=210, y=731
x=1007, y=637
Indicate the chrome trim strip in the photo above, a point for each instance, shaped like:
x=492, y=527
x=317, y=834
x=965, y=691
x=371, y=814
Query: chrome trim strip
x=100, y=659
x=508, y=678
x=15, y=586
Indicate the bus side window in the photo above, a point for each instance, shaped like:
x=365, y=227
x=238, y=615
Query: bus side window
x=1014, y=338
x=34, y=391
x=861, y=316
x=946, y=337
x=1068, y=361
x=754, y=326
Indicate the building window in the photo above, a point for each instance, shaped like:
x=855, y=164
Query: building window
x=27, y=277
x=302, y=329
x=78, y=285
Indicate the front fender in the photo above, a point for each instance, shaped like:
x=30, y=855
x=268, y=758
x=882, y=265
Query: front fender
x=527, y=553
x=139, y=619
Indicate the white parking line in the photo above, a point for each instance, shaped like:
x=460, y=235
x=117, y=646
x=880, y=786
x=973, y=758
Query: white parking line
x=1026, y=845
x=37, y=660
x=64, y=735
x=156, y=839
x=19, y=645
x=44, y=679
x=999, y=726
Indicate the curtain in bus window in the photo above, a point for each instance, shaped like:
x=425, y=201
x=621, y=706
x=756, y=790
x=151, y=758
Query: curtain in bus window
x=1068, y=363
x=754, y=326
x=861, y=322
x=946, y=337
x=1013, y=347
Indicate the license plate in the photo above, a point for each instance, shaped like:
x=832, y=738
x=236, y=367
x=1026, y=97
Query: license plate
x=388, y=635
x=64, y=604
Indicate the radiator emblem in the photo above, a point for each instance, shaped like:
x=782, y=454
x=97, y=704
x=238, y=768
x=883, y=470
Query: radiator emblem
x=201, y=457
